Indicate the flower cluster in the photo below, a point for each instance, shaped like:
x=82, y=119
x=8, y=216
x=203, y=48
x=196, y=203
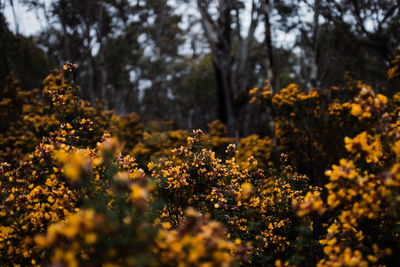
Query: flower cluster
x=394, y=71
x=203, y=243
x=363, y=143
x=254, y=150
x=367, y=103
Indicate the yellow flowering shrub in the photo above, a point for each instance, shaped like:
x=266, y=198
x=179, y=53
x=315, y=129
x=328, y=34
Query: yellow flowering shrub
x=362, y=218
x=365, y=144
x=27, y=116
x=256, y=209
x=346, y=140
x=76, y=200
x=33, y=196
x=203, y=243
x=367, y=103
x=310, y=127
x=80, y=186
x=157, y=143
x=25, y=119
x=254, y=149
x=359, y=224
x=110, y=226
x=394, y=71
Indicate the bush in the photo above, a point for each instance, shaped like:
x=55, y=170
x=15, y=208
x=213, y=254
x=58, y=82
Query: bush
x=71, y=194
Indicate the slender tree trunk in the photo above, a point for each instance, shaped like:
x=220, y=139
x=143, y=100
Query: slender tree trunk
x=225, y=105
x=270, y=66
x=15, y=17
x=226, y=61
x=314, y=50
x=67, y=52
x=102, y=62
x=4, y=46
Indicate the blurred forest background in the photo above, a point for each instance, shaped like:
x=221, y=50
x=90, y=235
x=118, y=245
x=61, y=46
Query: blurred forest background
x=194, y=61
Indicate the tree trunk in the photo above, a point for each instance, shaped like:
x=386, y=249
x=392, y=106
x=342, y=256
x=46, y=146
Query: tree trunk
x=230, y=66
x=223, y=66
x=15, y=17
x=67, y=52
x=314, y=50
x=270, y=66
x=225, y=105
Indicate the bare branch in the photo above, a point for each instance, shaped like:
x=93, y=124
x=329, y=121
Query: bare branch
x=388, y=14
x=207, y=22
x=360, y=20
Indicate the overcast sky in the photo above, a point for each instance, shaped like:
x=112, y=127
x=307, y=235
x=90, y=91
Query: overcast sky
x=28, y=22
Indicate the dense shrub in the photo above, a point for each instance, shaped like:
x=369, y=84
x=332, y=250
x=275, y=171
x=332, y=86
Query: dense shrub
x=71, y=194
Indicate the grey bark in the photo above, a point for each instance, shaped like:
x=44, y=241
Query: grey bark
x=229, y=66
